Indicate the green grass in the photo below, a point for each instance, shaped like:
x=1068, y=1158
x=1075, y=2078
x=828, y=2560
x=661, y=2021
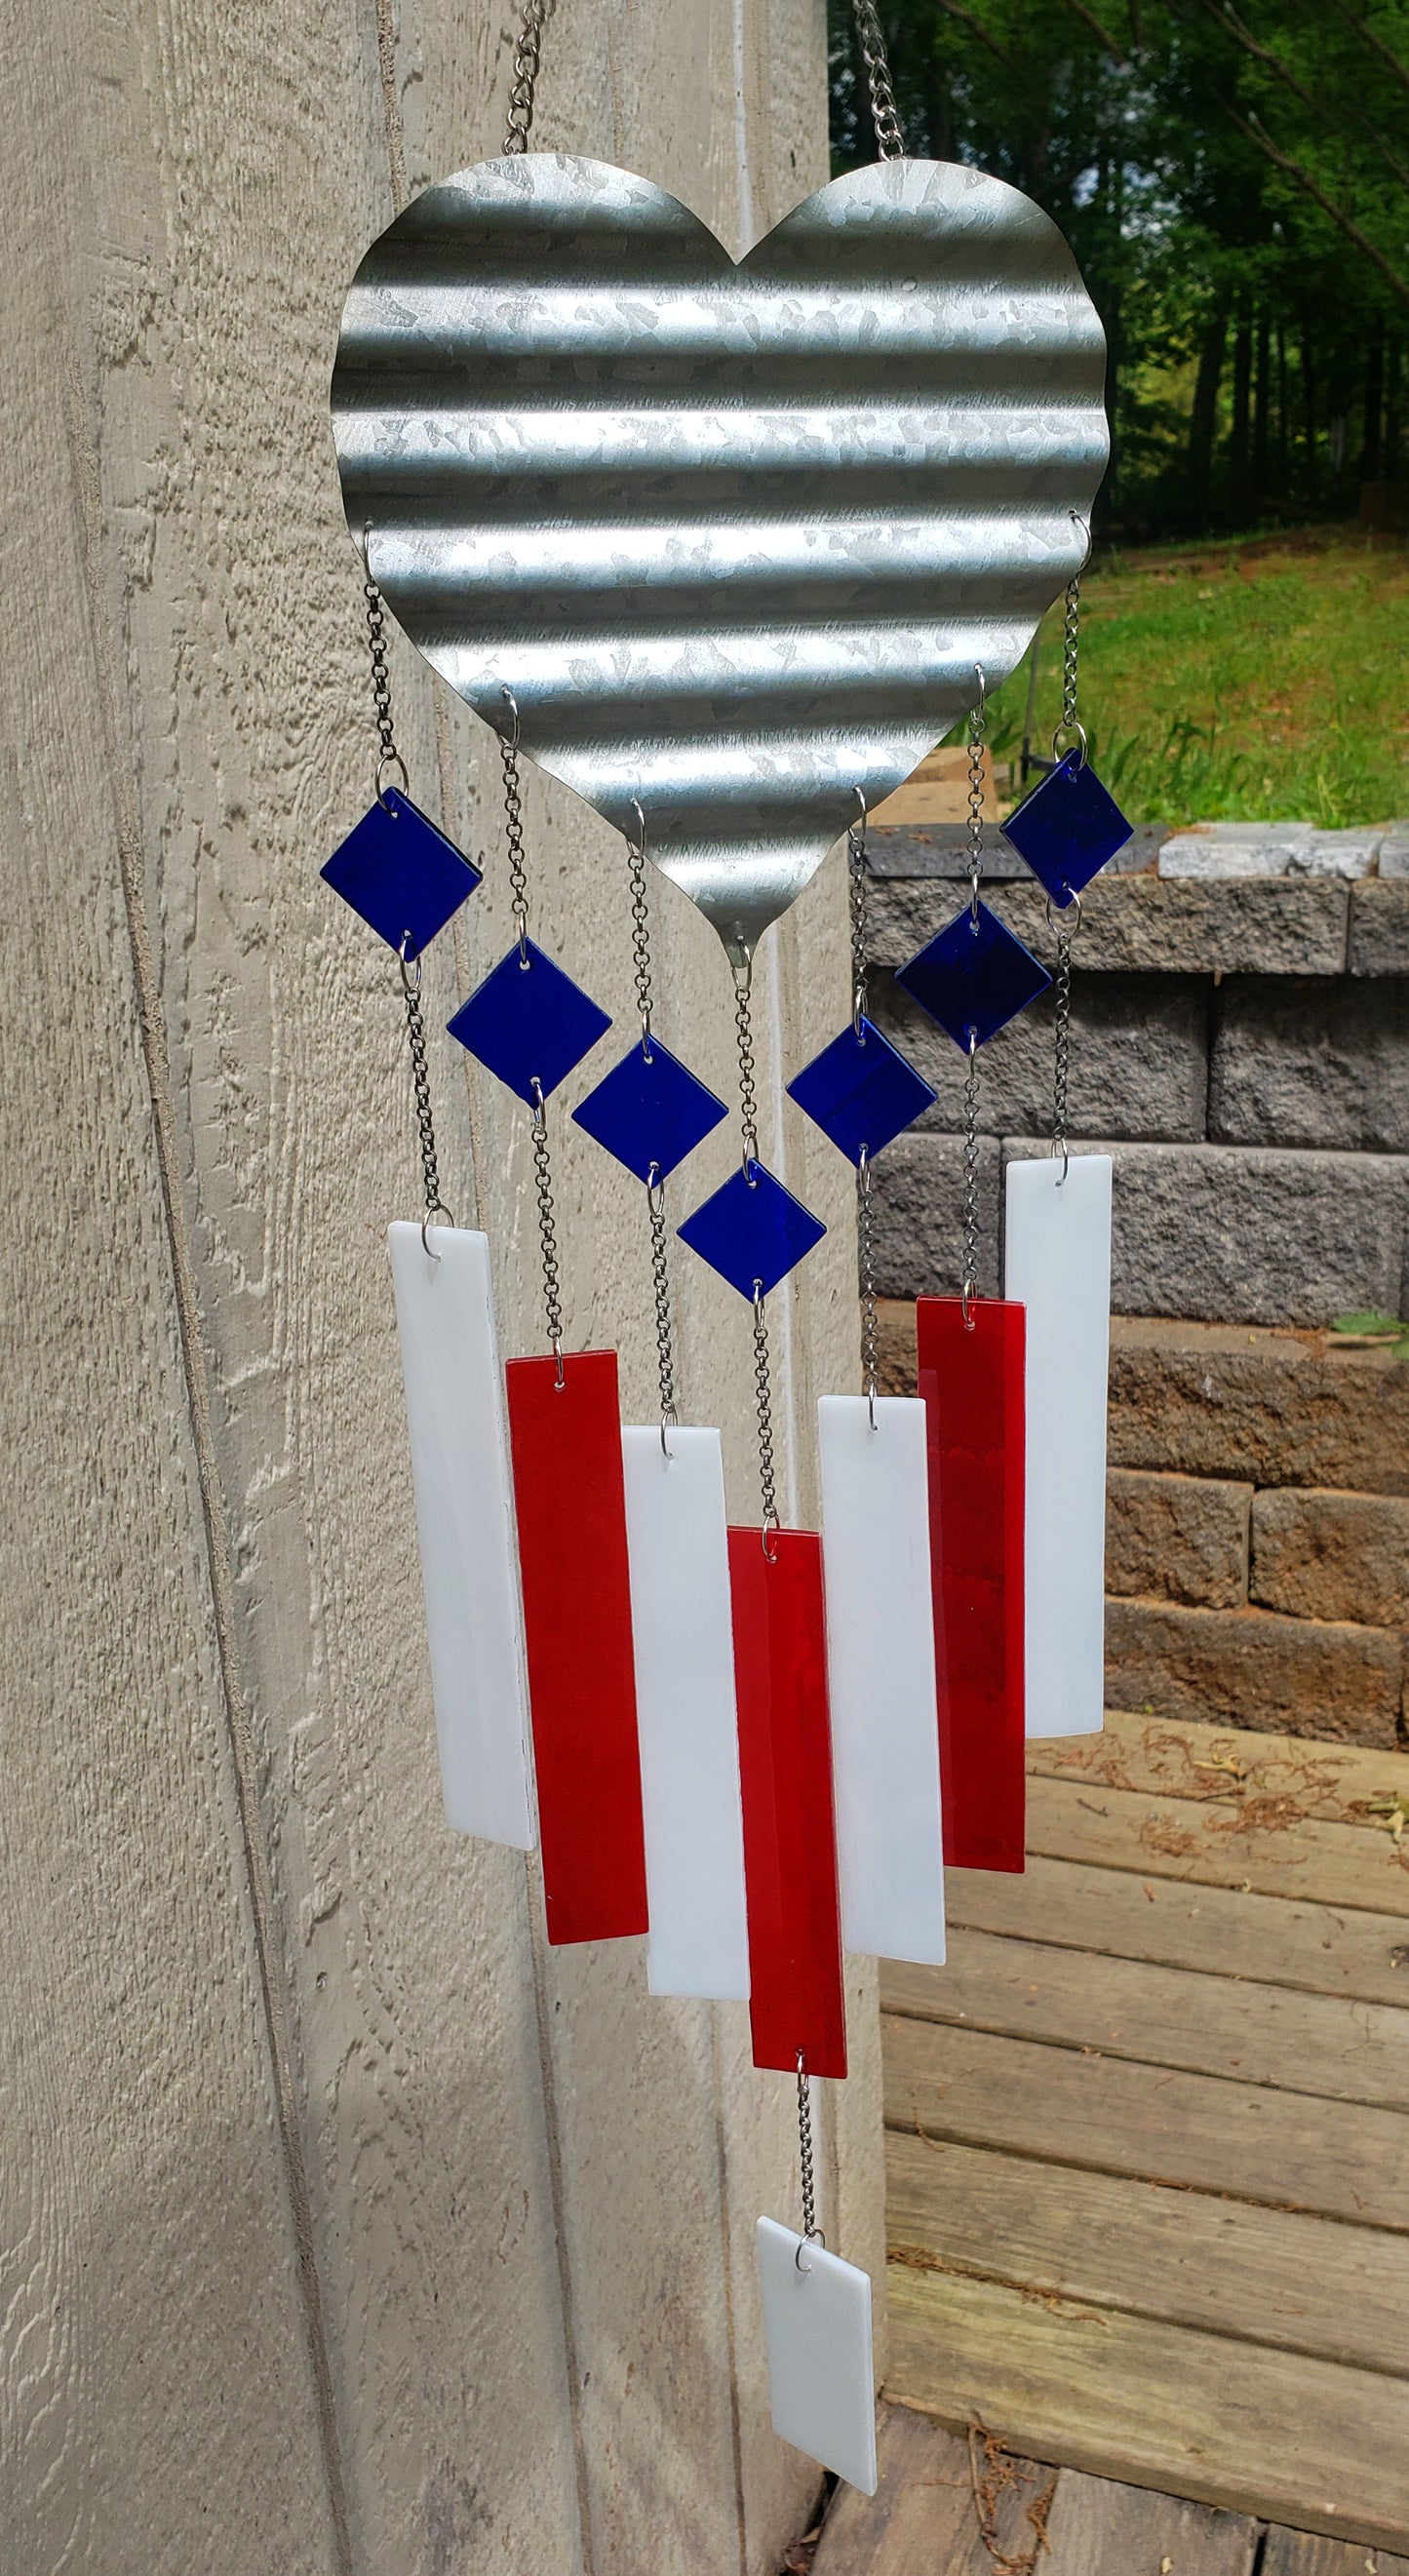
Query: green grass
x=1256, y=680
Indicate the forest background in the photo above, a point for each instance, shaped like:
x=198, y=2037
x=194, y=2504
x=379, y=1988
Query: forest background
x=1235, y=185
x=1234, y=182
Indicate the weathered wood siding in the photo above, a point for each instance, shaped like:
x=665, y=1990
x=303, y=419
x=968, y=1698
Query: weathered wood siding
x=344, y=2227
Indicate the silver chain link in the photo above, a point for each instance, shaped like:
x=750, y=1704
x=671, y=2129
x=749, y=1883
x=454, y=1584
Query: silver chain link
x=810, y=2229
x=547, y=1229
x=748, y=1093
x=1071, y=729
x=890, y=142
x=865, y=1214
x=655, y=1185
x=513, y=820
x=978, y=726
x=970, y=1286
x=523, y=80
x=420, y=1082
x=408, y=962
x=860, y=932
x=763, y=1407
x=1067, y=927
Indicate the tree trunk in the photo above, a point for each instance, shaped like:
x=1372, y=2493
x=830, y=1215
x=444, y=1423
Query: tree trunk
x=1371, y=449
x=1239, y=447
x=1310, y=479
x=1261, y=419
x=1203, y=421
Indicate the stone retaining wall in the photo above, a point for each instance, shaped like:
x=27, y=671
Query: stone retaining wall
x=1240, y=1046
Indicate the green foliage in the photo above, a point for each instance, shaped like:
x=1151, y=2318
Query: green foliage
x=1235, y=184
x=1247, y=683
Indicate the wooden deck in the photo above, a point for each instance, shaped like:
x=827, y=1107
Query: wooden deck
x=938, y=2494
x=1148, y=2141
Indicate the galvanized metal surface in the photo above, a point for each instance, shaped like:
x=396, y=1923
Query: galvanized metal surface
x=735, y=537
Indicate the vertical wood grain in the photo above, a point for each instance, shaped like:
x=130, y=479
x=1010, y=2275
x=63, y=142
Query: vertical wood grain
x=529, y=2191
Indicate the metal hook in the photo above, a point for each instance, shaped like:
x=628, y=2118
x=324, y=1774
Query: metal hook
x=1085, y=526
x=406, y=956
x=439, y=1209
x=506, y=693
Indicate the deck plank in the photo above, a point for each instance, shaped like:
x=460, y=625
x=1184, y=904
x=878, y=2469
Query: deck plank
x=1201, y=2021
x=1099, y=2527
x=921, y=2519
x=1239, y=2425
x=1216, y=1843
x=1320, y=1949
x=1307, y=2284
x=1181, y=1757
x=1306, y=2553
x=1282, y=2150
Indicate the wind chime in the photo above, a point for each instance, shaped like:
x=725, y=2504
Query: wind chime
x=727, y=549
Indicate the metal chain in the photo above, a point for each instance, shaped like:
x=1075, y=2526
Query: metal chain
x=547, y=1230
x=1067, y=927
x=660, y=1290
x=890, y=142
x=389, y=757
x=978, y=726
x=810, y=2228
x=381, y=675
x=866, y=1264
x=513, y=820
x=860, y=933
x=763, y=1406
x=1071, y=726
x=970, y=1285
x=528, y=48
x=420, y=1081
x=640, y=930
x=748, y=1092
x=655, y=1185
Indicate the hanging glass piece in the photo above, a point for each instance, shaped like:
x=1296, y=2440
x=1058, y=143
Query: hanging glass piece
x=650, y=1111
x=821, y=2377
x=1058, y=1264
x=752, y=1231
x=678, y=1541
x=881, y=1675
x=1067, y=827
x=529, y=1023
x=780, y=1665
x=565, y=1439
x=974, y=976
x=971, y=1380
x=861, y=1091
x=465, y=1522
x=400, y=873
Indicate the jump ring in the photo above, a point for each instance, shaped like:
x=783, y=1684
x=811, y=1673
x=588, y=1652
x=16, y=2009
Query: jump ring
x=391, y=760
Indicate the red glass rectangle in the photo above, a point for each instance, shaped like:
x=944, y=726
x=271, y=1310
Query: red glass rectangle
x=972, y=1382
x=785, y=1768
x=571, y=1504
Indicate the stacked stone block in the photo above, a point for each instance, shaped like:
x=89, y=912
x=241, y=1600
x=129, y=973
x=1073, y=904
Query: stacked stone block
x=1241, y=1049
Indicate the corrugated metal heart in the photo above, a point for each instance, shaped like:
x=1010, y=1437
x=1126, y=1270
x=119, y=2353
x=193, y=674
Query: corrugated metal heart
x=735, y=537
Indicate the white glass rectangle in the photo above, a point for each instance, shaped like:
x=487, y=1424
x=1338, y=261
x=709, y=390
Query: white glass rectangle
x=881, y=1676
x=1058, y=1265
x=677, y=1541
x=465, y=1519
x=821, y=2374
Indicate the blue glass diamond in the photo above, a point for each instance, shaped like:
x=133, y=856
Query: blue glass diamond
x=861, y=1091
x=753, y=1231
x=974, y=977
x=650, y=1111
x=400, y=873
x=1067, y=828
x=529, y=1023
